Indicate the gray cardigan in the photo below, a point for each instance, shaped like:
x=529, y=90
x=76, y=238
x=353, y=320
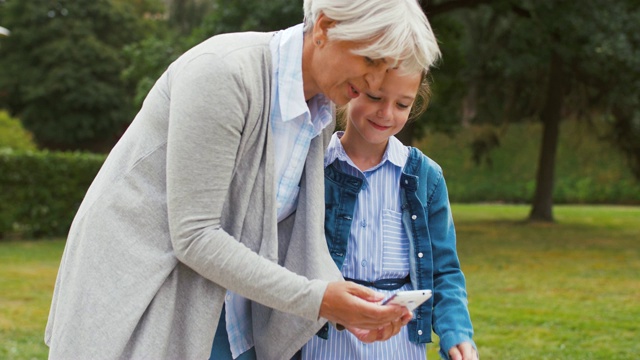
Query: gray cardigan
x=183, y=209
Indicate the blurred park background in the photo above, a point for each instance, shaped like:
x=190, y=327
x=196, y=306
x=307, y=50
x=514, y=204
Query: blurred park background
x=535, y=119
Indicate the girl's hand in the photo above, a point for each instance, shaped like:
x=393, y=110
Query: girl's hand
x=381, y=334
x=463, y=351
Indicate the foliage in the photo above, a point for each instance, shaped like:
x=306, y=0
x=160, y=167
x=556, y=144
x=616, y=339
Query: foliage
x=187, y=15
x=61, y=70
x=550, y=61
x=13, y=135
x=243, y=15
x=448, y=79
x=147, y=60
x=41, y=191
x=596, y=41
x=145, y=9
x=589, y=169
x=193, y=21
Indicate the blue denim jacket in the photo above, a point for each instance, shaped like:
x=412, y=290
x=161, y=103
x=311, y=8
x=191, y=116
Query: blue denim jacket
x=434, y=264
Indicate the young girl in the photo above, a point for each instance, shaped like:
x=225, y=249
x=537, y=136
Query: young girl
x=388, y=226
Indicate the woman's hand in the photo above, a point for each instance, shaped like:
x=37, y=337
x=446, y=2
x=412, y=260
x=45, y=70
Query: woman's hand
x=357, y=307
x=463, y=351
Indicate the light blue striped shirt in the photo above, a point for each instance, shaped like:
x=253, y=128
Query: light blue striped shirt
x=294, y=123
x=378, y=249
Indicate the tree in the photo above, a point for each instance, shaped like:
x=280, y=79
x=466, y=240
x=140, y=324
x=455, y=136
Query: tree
x=187, y=15
x=189, y=22
x=60, y=70
x=549, y=60
x=163, y=41
x=249, y=15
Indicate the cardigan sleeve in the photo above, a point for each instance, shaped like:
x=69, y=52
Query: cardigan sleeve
x=208, y=107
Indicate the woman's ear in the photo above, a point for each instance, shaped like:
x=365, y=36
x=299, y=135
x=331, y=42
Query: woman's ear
x=320, y=29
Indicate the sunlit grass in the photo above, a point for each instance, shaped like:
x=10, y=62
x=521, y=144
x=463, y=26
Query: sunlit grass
x=27, y=276
x=568, y=290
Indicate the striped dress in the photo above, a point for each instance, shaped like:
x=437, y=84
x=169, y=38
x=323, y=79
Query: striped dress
x=378, y=248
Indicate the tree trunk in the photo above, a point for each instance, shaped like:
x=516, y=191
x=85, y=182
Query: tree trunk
x=542, y=207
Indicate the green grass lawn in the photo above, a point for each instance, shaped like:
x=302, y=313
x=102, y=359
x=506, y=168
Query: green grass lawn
x=569, y=290
x=27, y=275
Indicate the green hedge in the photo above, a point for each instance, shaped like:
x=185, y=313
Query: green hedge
x=41, y=191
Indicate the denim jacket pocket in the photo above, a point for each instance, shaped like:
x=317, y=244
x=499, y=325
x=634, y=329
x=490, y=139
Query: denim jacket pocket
x=395, y=245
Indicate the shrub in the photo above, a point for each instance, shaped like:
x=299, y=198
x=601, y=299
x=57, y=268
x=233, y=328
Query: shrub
x=588, y=170
x=13, y=135
x=41, y=191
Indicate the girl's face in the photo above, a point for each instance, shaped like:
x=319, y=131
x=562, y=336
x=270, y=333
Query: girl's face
x=377, y=115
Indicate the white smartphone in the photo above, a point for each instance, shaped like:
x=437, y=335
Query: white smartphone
x=410, y=299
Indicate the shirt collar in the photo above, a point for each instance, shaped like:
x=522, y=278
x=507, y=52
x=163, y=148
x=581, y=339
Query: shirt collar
x=395, y=152
x=286, y=49
x=288, y=73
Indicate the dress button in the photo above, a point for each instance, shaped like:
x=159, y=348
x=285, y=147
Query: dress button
x=363, y=223
x=419, y=332
x=420, y=255
x=413, y=217
x=364, y=263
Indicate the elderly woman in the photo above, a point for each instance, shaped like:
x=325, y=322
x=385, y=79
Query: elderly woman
x=208, y=213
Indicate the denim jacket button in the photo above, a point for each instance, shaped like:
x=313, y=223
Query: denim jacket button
x=419, y=332
x=413, y=217
x=420, y=255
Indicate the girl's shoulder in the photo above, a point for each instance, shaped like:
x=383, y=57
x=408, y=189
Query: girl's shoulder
x=419, y=161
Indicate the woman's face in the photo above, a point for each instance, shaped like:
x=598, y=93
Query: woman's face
x=345, y=76
x=338, y=73
x=379, y=114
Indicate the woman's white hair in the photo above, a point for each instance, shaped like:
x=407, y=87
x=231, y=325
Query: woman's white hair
x=392, y=29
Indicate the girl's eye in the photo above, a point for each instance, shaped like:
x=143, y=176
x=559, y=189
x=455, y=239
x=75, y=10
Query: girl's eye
x=403, y=106
x=369, y=60
x=374, y=98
